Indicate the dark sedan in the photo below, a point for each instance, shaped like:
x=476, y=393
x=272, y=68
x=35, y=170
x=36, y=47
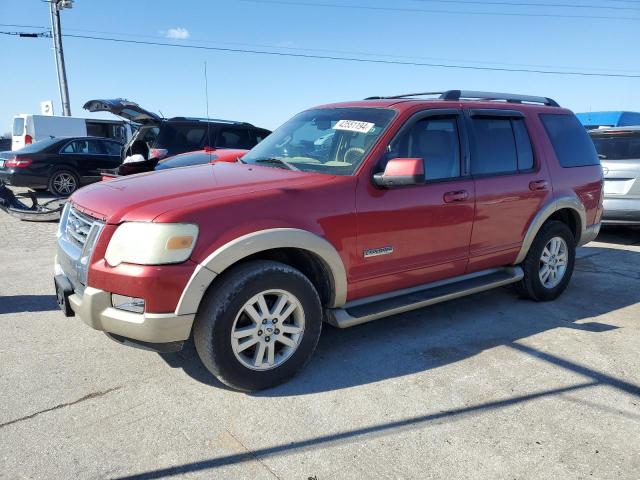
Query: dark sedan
x=60, y=165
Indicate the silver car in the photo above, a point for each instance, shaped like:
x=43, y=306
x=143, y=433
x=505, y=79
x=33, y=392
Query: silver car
x=619, y=151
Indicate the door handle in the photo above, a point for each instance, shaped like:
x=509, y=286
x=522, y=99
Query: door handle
x=538, y=185
x=458, y=196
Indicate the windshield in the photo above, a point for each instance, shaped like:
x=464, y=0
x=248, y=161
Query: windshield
x=334, y=140
x=621, y=146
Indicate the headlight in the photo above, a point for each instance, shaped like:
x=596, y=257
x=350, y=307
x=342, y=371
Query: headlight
x=151, y=243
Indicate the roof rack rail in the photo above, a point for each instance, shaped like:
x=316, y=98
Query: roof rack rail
x=471, y=94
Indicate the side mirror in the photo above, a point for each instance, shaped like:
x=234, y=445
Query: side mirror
x=401, y=171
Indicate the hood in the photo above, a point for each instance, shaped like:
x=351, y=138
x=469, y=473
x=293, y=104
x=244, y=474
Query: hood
x=145, y=196
x=125, y=109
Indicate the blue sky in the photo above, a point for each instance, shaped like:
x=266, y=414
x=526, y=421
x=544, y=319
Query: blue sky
x=266, y=90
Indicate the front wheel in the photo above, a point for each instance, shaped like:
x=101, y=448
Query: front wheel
x=258, y=325
x=549, y=264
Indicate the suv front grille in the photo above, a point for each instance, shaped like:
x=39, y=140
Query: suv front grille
x=78, y=227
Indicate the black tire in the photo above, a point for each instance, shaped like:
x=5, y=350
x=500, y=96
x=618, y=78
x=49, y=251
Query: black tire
x=531, y=286
x=57, y=176
x=225, y=300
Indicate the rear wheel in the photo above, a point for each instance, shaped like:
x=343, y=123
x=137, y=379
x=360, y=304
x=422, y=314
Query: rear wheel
x=63, y=183
x=258, y=325
x=549, y=264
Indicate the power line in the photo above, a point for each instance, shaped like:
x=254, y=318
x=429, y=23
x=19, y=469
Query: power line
x=21, y=26
x=527, y=4
x=355, y=59
x=424, y=10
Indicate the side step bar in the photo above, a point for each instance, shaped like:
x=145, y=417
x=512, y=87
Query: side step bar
x=379, y=306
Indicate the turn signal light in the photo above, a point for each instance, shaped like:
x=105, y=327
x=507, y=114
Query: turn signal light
x=16, y=162
x=179, y=243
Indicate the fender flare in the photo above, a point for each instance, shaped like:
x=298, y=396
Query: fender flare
x=565, y=202
x=255, y=242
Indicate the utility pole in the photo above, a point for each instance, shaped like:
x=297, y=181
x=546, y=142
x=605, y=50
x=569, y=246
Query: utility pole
x=56, y=6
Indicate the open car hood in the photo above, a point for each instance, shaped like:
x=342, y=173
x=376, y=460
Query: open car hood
x=123, y=108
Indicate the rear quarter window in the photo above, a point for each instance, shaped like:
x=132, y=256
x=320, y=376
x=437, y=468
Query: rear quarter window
x=570, y=141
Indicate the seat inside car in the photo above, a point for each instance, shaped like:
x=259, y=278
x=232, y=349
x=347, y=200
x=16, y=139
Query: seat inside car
x=436, y=147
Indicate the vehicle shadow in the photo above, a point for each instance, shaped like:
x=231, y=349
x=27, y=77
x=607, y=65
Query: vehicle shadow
x=619, y=235
x=27, y=303
x=449, y=332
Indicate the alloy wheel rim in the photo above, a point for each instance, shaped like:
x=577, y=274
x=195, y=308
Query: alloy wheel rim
x=553, y=262
x=268, y=329
x=64, y=183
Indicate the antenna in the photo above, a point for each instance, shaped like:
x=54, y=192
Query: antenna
x=206, y=94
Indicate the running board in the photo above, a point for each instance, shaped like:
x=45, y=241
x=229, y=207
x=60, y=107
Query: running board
x=379, y=306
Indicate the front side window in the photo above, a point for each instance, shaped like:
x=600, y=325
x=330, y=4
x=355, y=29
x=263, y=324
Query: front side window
x=570, y=141
x=620, y=145
x=332, y=140
x=436, y=141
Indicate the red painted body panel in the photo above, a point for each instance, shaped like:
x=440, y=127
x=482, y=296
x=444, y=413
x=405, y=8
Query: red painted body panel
x=431, y=239
x=159, y=286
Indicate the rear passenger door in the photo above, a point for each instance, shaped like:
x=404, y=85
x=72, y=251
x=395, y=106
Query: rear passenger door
x=86, y=155
x=511, y=185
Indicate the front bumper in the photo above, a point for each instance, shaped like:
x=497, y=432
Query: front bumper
x=94, y=308
x=621, y=211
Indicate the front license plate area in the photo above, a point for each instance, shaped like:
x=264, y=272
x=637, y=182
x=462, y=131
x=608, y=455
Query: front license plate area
x=63, y=290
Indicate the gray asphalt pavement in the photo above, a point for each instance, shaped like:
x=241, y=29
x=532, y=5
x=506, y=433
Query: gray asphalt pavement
x=487, y=387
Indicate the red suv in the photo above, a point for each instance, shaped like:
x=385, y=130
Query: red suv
x=348, y=213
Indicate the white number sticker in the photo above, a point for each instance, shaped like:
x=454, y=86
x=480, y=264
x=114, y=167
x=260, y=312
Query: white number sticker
x=354, y=126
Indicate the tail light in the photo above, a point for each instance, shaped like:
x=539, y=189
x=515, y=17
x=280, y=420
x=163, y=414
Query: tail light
x=16, y=162
x=28, y=139
x=157, y=153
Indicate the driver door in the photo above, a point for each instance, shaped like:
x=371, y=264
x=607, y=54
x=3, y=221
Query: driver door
x=412, y=235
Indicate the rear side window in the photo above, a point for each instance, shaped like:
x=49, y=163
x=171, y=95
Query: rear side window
x=77, y=146
x=495, y=146
x=181, y=138
x=18, y=126
x=234, y=138
x=570, y=141
x=618, y=146
x=500, y=145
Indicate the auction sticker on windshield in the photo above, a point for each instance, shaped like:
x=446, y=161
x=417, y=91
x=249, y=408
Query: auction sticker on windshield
x=354, y=126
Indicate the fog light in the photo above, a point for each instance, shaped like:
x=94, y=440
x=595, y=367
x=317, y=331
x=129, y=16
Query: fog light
x=130, y=304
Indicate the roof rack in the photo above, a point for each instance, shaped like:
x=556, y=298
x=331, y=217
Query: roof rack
x=212, y=120
x=474, y=95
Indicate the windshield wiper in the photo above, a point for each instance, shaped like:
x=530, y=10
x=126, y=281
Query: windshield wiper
x=278, y=161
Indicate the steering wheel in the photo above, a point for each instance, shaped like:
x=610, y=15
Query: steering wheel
x=352, y=155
